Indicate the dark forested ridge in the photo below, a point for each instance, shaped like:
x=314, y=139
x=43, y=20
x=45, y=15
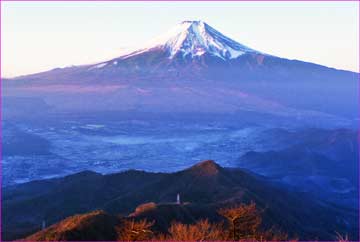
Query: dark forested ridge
x=204, y=189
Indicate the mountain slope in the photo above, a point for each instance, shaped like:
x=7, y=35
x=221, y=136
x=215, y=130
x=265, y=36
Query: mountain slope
x=193, y=38
x=96, y=225
x=324, y=162
x=194, y=68
x=206, y=185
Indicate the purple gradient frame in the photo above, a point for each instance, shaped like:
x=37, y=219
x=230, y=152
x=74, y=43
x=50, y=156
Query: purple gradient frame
x=174, y=1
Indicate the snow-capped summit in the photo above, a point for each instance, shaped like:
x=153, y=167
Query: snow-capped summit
x=195, y=69
x=196, y=38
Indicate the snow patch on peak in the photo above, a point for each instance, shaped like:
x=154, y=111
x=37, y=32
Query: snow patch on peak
x=189, y=39
x=97, y=66
x=191, y=22
x=196, y=38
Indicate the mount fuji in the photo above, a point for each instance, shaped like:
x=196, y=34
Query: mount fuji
x=195, y=38
x=193, y=68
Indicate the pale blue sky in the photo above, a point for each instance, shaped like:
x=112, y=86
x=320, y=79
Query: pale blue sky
x=38, y=36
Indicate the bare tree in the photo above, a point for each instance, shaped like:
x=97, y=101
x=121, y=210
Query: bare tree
x=202, y=230
x=244, y=221
x=342, y=238
x=131, y=230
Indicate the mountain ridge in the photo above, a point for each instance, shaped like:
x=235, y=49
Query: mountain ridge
x=29, y=204
x=195, y=38
x=194, y=71
x=176, y=38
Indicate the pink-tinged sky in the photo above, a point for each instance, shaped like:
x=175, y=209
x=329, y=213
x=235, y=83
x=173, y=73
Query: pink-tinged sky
x=38, y=36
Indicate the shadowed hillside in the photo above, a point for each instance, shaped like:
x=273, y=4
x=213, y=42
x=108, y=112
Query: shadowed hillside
x=204, y=188
x=95, y=225
x=237, y=223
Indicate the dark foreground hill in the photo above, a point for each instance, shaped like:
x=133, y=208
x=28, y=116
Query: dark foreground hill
x=99, y=225
x=204, y=188
x=96, y=225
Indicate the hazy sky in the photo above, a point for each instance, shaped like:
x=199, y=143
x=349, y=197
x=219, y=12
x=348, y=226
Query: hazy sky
x=38, y=36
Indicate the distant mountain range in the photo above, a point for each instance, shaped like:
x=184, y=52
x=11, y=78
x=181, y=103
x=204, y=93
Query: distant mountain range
x=193, y=68
x=323, y=162
x=204, y=188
